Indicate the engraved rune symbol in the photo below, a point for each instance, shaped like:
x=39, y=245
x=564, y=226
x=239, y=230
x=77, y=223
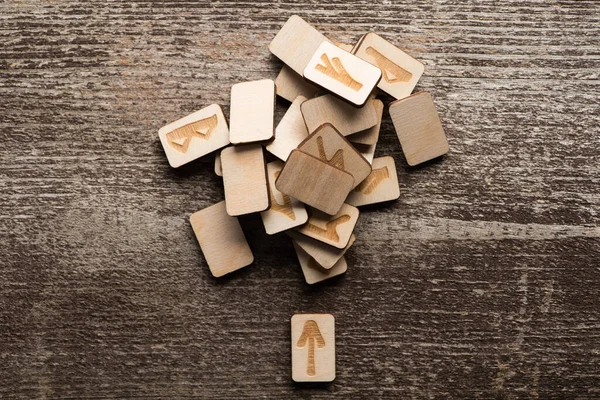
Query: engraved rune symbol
x=330, y=231
x=373, y=180
x=286, y=207
x=392, y=73
x=311, y=335
x=180, y=138
x=334, y=69
x=338, y=158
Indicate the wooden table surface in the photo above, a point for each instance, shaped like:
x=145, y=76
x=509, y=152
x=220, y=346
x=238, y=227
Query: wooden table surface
x=481, y=281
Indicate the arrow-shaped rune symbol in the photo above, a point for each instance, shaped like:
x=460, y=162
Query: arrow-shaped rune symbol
x=311, y=334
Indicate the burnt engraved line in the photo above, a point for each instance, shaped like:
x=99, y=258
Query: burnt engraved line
x=373, y=180
x=180, y=138
x=285, y=208
x=330, y=231
x=338, y=158
x=392, y=72
x=334, y=69
x=311, y=335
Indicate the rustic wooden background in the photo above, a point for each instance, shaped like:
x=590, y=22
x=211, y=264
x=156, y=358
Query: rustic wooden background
x=481, y=281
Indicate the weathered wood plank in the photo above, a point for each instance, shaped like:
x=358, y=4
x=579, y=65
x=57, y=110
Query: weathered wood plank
x=479, y=282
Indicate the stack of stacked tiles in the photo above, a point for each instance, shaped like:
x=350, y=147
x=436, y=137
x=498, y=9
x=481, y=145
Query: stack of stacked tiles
x=323, y=147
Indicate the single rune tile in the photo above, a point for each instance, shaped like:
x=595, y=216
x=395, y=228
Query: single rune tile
x=245, y=179
x=194, y=136
x=330, y=146
x=342, y=73
x=313, y=347
x=419, y=128
x=314, y=182
x=401, y=72
x=221, y=239
x=252, y=111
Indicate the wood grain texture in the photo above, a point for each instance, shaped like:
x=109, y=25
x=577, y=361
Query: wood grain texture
x=481, y=281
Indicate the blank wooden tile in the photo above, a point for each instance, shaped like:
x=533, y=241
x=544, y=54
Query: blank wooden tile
x=330, y=146
x=194, y=136
x=313, y=272
x=285, y=212
x=342, y=73
x=346, y=118
x=218, y=167
x=333, y=230
x=221, y=239
x=296, y=43
x=245, y=179
x=401, y=72
x=313, y=348
x=381, y=185
x=252, y=111
x=371, y=135
x=325, y=255
x=419, y=128
x=314, y=182
x=290, y=131
x=290, y=85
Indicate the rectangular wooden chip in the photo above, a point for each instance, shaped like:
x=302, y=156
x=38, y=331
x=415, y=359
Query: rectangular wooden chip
x=342, y=73
x=401, y=72
x=221, y=239
x=194, y=136
x=313, y=348
x=245, y=179
x=419, y=128
x=252, y=111
x=314, y=182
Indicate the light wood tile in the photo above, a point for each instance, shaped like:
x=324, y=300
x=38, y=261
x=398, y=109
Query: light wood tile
x=325, y=255
x=334, y=230
x=285, y=212
x=346, y=118
x=252, y=111
x=221, y=239
x=370, y=136
x=245, y=179
x=314, y=182
x=290, y=131
x=401, y=72
x=313, y=272
x=342, y=73
x=296, y=43
x=330, y=146
x=419, y=128
x=194, y=136
x=381, y=185
x=290, y=85
x=313, y=348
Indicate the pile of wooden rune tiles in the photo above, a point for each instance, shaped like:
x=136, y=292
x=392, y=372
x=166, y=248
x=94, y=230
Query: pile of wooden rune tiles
x=323, y=147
